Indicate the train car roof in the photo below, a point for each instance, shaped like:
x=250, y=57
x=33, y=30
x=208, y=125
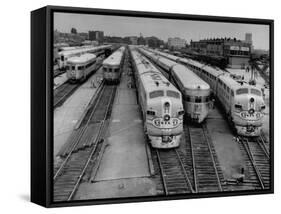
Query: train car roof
x=189, y=79
x=84, y=58
x=148, y=72
x=115, y=58
x=83, y=49
x=233, y=84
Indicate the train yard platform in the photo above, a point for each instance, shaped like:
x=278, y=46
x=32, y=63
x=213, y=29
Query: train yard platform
x=124, y=168
x=59, y=80
x=67, y=115
x=227, y=149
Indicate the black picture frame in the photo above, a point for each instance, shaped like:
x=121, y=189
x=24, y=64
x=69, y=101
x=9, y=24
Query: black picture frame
x=42, y=102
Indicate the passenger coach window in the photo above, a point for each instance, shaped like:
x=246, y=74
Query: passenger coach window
x=242, y=91
x=173, y=94
x=73, y=67
x=255, y=92
x=155, y=94
x=80, y=67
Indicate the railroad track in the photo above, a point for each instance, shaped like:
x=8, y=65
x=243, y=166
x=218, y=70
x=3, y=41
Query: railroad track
x=207, y=175
x=84, y=147
x=173, y=173
x=58, y=72
x=63, y=92
x=258, y=161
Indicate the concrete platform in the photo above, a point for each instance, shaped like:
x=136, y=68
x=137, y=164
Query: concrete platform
x=125, y=157
x=227, y=149
x=67, y=115
x=124, y=168
x=132, y=187
x=59, y=80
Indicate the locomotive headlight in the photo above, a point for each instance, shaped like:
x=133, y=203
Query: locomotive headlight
x=252, y=100
x=251, y=111
x=166, y=117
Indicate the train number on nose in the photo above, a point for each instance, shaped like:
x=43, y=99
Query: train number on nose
x=161, y=123
x=256, y=115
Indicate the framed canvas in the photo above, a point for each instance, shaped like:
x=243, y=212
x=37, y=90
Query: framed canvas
x=134, y=106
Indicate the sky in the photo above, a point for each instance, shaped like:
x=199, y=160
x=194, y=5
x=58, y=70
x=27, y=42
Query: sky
x=161, y=28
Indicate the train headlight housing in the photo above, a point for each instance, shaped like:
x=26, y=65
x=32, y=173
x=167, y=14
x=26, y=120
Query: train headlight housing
x=238, y=107
x=251, y=111
x=180, y=113
x=167, y=117
x=263, y=108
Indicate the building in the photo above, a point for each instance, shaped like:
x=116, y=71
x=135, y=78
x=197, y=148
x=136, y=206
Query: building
x=96, y=36
x=84, y=35
x=236, y=51
x=176, y=43
x=248, y=38
x=133, y=40
x=153, y=42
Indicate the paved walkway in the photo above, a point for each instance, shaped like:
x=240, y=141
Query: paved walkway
x=67, y=115
x=125, y=157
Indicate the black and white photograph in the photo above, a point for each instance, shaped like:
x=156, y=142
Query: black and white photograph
x=147, y=107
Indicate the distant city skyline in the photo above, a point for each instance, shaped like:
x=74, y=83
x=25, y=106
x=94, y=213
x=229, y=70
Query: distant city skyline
x=161, y=28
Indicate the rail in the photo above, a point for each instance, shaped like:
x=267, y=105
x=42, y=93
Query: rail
x=70, y=173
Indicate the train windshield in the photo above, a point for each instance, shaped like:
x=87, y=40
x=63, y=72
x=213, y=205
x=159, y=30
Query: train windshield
x=80, y=67
x=155, y=94
x=255, y=92
x=242, y=91
x=173, y=94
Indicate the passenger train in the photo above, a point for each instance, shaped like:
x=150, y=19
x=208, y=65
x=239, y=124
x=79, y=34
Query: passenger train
x=195, y=91
x=65, y=55
x=243, y=103
x=160, y=102
x=78, y=68
x=112, y=66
